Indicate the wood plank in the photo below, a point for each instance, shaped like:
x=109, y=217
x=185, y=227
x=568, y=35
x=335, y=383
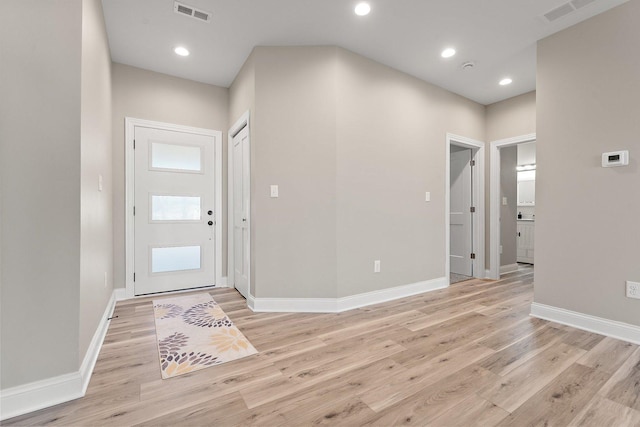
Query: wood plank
x=515, y=388
x=608, y=355
x=321, y=367
x=513, y=333
x=509, y=358
x=472, y=412
x=323, y=398
x=557, y=403
x=431, y=402
x=209, y=412
x=407, y=383
x=604, y=412
x=624, y=386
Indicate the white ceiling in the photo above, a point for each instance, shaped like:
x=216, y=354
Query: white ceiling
x=498, y=35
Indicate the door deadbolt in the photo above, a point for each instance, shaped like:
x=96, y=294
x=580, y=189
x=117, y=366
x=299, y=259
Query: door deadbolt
x=210, y=212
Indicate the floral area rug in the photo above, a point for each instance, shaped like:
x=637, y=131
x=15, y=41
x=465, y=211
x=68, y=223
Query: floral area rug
x=194, y=333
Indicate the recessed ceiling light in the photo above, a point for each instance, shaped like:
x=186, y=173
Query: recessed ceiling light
x=362, y=9
x=448, y=52
x=182, y=51
x=505, y=81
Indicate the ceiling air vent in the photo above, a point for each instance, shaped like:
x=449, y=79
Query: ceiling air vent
x=192, y=12
x=559, y=12
x=566, y=9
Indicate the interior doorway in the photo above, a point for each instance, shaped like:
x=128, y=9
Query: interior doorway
x=464, y=209
x=460, y=215
x=512, y=209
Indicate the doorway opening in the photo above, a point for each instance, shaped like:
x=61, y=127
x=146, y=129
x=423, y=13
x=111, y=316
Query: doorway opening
x=464, y=209
x=512, y=210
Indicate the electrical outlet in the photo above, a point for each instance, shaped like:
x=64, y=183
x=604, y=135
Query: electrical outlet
x=376, y=266
x=633, y=290
x=504, y=201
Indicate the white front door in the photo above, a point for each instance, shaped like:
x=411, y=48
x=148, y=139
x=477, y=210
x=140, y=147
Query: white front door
x=174, y=210
x=460, y=213
x=240, y=158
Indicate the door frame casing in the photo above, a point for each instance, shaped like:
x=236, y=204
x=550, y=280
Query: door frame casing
x=477, y=154
x=130, y=125
x=242, y=122
x=494, y=201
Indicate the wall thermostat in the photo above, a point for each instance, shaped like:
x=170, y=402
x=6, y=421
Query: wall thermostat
x=615, y=158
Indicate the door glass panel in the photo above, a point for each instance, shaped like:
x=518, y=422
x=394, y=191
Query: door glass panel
x=179, y=258
x=176, y=157
x=175, y=208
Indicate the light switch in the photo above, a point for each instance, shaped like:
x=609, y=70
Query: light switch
x=504, y=201
x=100, y=182
x=427, y=196
x=274, y=191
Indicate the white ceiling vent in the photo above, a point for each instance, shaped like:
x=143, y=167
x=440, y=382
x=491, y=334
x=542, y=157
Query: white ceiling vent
x=566, y=9
x=192, y=12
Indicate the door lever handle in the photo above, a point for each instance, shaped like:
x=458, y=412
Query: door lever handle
x=210, y=223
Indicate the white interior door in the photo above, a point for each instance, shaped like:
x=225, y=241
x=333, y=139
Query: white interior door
x=241, y=215
x=174, y=210
x=461, y=238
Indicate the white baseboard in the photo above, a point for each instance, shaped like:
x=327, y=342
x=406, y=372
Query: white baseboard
x=336, y=305
x=251, y=302
x=598, y=325
x=504, y=269
x=41, y=394
x=91, y=356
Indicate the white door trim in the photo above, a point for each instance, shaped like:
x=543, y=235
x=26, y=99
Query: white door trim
x=494, y=202
x=130, y=124
x=478, y=197
x=241, y=123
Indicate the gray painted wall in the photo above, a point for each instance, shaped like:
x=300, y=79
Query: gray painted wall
x=96, y=246
x=508, y=213
x=149, y=95
x=353, y=146
x=40, y=47
x=391, y=149
x=588, y=91
x=505, y=119
x=294, y=146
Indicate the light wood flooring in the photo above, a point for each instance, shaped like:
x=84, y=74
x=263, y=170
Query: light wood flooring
x=463, y=356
